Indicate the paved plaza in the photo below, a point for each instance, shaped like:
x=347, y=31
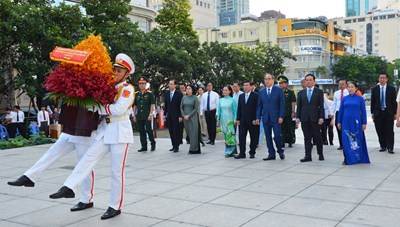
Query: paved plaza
x=176, y=189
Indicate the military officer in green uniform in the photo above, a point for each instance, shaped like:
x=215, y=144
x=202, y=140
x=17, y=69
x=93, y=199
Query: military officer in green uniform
x=143, y=109
x=290, y=111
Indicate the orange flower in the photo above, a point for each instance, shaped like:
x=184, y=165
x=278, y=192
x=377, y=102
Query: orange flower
x=98, y=62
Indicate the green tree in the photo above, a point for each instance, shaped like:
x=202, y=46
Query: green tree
x=109, y=18
x=36, y=27
x=174, y=17
x=361, y=69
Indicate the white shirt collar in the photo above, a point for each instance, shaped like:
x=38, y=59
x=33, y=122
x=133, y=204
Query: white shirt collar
x=383, y=86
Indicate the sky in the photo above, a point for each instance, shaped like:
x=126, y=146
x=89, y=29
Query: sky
x=300, y=8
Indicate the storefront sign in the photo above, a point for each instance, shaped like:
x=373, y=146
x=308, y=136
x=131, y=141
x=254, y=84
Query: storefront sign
x=303, y=50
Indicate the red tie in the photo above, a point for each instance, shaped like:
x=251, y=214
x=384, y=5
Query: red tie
x=44, y=115
x=341, y=95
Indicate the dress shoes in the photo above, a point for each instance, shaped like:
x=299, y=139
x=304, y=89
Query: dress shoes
x=321, y=157
x=176, y=150
x=282, y=156
x=64, y=192
x=172, y=149
x=269, y=158
x=252, y=156
x=325, y=143
x=110, y=213
x=340, y=148
x=240, y=156
x=383, y=149
x=212, y=143
x=153, y=147
x=390, y=151
x=81, y=206
x=290, y=145
x=194, y=152
x=331, y=143
x=305, y=159
x=209, y=142
x=22, y=181
x=142, y=149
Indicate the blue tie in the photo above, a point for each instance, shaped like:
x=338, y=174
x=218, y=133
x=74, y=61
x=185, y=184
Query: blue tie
x=309, y=95
x=208, y=101
x=383, y=106
x=268, y=92
x=170, y=98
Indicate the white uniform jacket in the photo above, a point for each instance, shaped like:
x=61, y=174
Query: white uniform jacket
x=116, y=128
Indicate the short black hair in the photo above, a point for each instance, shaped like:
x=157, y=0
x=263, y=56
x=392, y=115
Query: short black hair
x=310, y=74
x=173, y=80
x=17, y=107
x=325, y=92
x=384, y=73
x=209, y=83
x=353, y=83
x=247, y=81
x=236, y=83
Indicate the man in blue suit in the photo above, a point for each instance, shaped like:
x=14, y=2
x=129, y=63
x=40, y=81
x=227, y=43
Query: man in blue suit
x=271, y=107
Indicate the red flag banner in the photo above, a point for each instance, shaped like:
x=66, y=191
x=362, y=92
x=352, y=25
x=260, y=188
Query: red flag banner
x=69, y=55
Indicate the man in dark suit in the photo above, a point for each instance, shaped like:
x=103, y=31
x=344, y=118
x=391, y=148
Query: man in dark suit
x=310, y=111
x=271, y=108
x=246, y=120
x=383, y=110
x=172, y=113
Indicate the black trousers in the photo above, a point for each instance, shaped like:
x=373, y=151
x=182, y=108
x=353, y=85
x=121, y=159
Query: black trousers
x=211, y=124
x=13, y=129
x=312, y=130
x=173, y=128
x=339, y=132
x=44, y=127
x=384, y=128
x=327, y=128
x=144, y=127
x=243, y=129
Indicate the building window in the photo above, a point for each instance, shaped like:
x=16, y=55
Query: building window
x=361, y=33
x=375, y=18
x=354, y=20
x=376, y=44
x=361, y=46
x=253, y=32
x=233, y=34
x=201, y=3
x=361, y=19
x=369, y=38
x=224, y=35
x=208, y=5
x=391, y=16
x=284, y=45
x=376, y=31
x=347, y=21
x=382, y=17
x=197, y=2
x=240, y=34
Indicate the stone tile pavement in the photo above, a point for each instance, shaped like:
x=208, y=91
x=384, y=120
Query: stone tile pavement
x=176, y=189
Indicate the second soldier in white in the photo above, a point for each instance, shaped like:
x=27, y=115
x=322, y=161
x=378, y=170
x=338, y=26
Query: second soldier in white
x=114, y=135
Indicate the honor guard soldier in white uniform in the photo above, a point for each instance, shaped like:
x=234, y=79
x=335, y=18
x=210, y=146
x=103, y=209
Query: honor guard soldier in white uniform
x=79, y=129
x=114, y=135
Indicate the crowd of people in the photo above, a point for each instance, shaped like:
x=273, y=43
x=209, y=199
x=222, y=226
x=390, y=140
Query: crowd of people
x=14, y=121
x=274, y=111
